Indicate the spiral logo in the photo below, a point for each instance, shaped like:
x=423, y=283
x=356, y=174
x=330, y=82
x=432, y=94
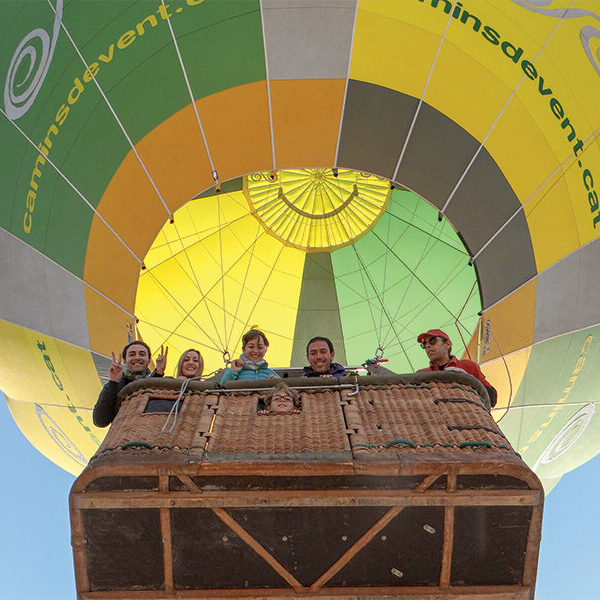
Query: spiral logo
x=587, y=33
x=59, y=437
x=20, y=95
x=567, y=436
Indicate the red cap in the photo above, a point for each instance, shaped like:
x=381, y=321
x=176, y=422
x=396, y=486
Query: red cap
x=432, y=332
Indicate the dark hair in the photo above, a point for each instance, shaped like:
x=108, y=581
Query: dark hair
x=318, y=338
x=139, y=343
x=254, y=333
x=282, y=387
x=180, y=363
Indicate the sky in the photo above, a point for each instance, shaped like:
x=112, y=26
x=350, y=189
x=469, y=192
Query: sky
x=36, y=562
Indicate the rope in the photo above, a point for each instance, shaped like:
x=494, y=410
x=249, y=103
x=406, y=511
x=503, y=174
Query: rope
x=175, y=408
x=428, y=233
x=475, y=444
x=135, y=445
x=457, y=386
x=457, y=321
x=510, y=393
x=225, y=337
x=473, y=402
x=383, y=308
x=412, y=445
x=259, y=232
x=205, y=294
x=198, y=286
x=398, y=441
x=259, y=295
x=474, y=427
x=415, y=276
x=361, y=268
x=384, y=283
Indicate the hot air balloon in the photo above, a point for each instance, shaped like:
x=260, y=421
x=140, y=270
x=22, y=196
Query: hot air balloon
x=360, y=169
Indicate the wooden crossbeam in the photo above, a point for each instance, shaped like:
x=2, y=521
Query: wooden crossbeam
x=258, y=548
x=210, y=499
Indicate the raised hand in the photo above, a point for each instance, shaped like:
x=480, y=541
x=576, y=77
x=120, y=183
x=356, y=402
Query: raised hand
x=237, y=365
x=115, y=371
x=161, y=360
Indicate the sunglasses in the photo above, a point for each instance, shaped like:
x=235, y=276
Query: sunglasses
x=431, y=341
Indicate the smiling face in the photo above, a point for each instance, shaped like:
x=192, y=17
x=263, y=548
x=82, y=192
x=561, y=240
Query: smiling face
x=137, y=359
x=281, y=403
x=319, y=356
x=190, y=365
x=438, y=352
x=255, y=349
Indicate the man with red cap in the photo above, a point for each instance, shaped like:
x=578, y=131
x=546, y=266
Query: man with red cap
x=438, y=347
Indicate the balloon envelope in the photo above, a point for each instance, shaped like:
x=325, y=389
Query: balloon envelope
x=120, y=117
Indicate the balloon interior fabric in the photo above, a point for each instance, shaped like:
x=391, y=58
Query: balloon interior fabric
x=363, y=169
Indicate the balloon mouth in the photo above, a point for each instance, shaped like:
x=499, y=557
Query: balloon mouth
x=306, y=252
x=316, y=210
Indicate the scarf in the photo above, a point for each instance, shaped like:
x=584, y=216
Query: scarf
x=133, y=376
x=254, y=366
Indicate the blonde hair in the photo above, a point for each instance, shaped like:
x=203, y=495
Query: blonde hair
x=182, y=357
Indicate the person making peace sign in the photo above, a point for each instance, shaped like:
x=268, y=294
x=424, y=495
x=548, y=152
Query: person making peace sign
x=137, y=358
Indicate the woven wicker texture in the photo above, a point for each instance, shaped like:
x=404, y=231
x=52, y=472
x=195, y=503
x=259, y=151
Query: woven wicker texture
x=132, y=426
x=239, y=432
x=395, y=419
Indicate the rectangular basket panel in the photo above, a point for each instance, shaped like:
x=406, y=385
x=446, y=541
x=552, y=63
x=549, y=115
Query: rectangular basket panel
x=317, y=433
x=489, y=545
x=124, y=549
x=433, y=417
x=406, y=552
x=306, y=541
x=137, y=432
x=207, y=554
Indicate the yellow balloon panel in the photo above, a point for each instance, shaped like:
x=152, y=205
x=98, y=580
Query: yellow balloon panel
x=472, y=75
x=509, y=325
x=52, y=398
x=551, y=218
x=468, y=92
x=507, y=373
x=213, y=284
x=381, y=47
x=568, y=48
x=518, y=143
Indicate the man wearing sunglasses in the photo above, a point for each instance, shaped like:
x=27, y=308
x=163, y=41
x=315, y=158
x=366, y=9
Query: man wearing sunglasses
x=438, y=347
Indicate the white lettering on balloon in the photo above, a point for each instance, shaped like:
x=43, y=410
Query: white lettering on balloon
x=20, y=95
x=59, y=437
x=586, y=33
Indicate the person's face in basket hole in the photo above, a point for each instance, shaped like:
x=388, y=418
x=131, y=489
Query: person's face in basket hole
x=282, y=403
